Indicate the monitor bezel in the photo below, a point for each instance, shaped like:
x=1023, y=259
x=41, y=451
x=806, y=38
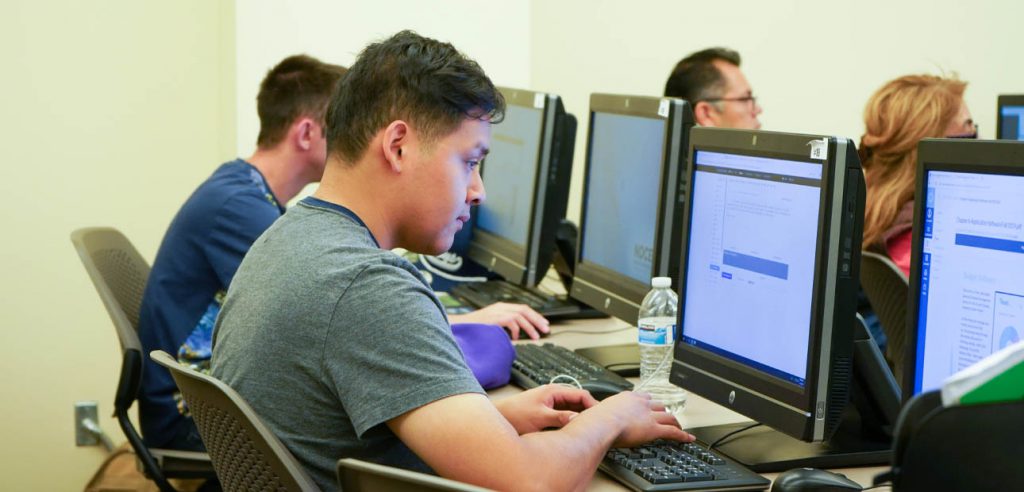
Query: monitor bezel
x=609, y=291
x=1005, y=157
x=517, y=262
x=1002, y=101
x=791, y=399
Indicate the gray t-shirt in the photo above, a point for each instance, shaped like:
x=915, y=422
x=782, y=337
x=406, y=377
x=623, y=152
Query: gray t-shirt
x=328, y=337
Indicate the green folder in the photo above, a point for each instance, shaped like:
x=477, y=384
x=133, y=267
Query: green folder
x=996, y=378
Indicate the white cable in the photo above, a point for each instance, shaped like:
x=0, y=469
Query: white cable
x=651, y=376
x=449, y=261
x=575, y=382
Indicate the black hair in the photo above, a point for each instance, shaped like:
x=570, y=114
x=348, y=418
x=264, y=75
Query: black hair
x=426, y=82
x=695, y=78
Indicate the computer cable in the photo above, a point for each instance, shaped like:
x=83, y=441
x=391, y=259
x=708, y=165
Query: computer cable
x=588, y=332
x=661, y=365
x=627, y=365
x=575, y=382
x=733, y=433
x=449, y=262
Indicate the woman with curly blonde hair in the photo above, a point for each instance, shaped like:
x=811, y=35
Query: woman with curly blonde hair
x=897, y=117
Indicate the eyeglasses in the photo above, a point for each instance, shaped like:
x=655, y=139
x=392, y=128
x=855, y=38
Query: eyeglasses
x=750, y=100
x=973, y=133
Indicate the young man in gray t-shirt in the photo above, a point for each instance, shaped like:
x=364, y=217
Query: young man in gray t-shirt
x=342, y=348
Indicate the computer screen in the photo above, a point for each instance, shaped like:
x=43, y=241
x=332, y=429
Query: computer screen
x=526, y=175
x=1010, y=117
x=967, y=275
x=515, y=148
x=754, y=242
x=768, y=292
x=623, y=183
x=635, y=160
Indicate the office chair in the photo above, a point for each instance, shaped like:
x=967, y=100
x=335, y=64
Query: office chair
x=887, y=290
x=119, y=273
x=245, y=453
x=359, y=476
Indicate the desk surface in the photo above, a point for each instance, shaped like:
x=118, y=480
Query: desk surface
x=698, y=412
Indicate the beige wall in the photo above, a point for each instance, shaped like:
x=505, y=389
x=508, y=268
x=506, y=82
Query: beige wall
x=495, y=34
x=112, y=112
x=812, y=64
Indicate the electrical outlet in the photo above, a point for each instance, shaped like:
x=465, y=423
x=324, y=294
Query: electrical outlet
x=86, y=411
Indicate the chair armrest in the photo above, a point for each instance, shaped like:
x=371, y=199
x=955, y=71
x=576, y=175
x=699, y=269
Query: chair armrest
x=183, y=464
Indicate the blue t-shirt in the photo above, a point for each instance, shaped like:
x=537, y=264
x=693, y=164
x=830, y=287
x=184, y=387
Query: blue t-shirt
x=197, y=259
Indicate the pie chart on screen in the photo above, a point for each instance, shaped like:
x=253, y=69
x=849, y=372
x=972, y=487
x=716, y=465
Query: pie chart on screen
x=1009, y=337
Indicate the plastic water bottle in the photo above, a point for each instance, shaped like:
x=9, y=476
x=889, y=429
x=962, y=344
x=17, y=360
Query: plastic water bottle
x=657, y=326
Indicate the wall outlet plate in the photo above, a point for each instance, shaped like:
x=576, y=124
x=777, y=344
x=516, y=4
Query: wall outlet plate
x=86, y=410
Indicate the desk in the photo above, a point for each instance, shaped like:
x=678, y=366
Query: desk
x=698, y=412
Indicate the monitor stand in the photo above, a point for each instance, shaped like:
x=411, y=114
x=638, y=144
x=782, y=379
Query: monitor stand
x=763, y=449
x=622, y=359
x=864, y=435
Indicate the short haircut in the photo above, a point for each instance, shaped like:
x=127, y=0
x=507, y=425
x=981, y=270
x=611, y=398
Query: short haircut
x=695, y=78
x=299, y=86
x=408, y=77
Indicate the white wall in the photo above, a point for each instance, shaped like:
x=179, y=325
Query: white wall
x=112, y=112
x=495, y=34
x=812, y=64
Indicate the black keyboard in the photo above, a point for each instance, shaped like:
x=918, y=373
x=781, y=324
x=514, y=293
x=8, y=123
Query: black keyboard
x=481, y=294
x=665, y=465
x=536, y=365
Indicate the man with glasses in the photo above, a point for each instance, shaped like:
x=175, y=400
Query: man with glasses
x=712, y=82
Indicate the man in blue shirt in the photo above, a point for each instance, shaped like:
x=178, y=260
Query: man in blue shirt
x=215, y=228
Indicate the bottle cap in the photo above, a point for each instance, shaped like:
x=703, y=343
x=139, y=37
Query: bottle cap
x=661, y=282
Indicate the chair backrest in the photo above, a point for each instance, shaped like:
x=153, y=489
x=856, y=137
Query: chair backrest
x=245, y=453
x=359, y=476
x=119, y=273
x=887, y=288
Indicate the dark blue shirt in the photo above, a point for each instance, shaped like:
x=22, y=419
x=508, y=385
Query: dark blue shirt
x=197, y=259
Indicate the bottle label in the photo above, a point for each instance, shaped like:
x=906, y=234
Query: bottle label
x=657, y=331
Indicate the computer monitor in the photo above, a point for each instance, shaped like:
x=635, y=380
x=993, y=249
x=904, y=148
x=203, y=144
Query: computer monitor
x=1010, y=117
x=636, y=157
x=526, y=175
x=768, y=297
x=967, y=267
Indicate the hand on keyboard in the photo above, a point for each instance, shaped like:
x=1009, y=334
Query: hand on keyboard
x=544, y=407
x=642, y=421
x=516, y=318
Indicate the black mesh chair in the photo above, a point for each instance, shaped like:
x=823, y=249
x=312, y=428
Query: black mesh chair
x=887, y=289
x=119, y=273
x=245, y=453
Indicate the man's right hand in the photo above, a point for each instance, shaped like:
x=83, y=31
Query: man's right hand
x=643, y=420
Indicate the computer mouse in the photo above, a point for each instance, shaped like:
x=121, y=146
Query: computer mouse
x=601, y=389
x=813, y=480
